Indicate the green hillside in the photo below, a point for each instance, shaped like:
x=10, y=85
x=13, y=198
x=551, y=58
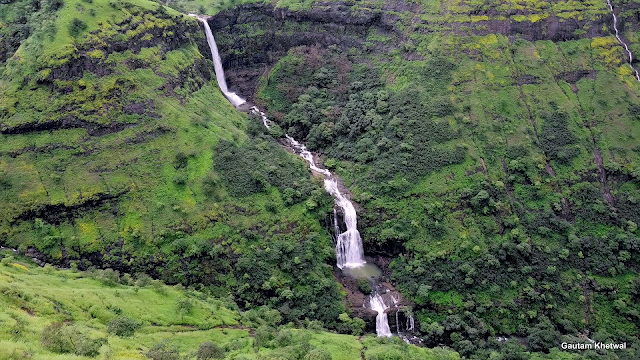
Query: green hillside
x=491, y=149
x=497, y=172
x=61, y=314
x=109, y=130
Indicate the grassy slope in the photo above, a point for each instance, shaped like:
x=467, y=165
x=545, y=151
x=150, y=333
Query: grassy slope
x=35, y=297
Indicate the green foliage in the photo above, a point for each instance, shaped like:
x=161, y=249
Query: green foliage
x=123, y=326
x=264, y=336
x=556, y=139
x=108, y=277
x=208, y=350
x=76, y=27
x=259, y=164
x=262, y=316
x=317, y=354
x=354, y=326
x=163, y=351
x=473, y=166
x=30, y=295
x=365, y=286
x=61, y=338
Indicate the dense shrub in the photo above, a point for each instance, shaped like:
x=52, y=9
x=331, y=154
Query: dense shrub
x=108, y=277
x=123, y=326
x=365, y=286
x=264, y=336
x=76, y=26
x=61, y=338
x=318, y=354
x=184, y=306
x=209, y=350
x=258, y=164
x=556, y=139
x=54, y=5
x=163, y=351
x=181, y=160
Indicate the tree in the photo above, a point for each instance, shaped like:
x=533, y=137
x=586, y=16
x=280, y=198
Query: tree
x=76, y=27
x=163, y=351
x=62, y=339
x=318, y=354
x=185, y=306
x=209, y=350
x=264, y=336
x=53, y=339
x=543, y=336
x=123, y=326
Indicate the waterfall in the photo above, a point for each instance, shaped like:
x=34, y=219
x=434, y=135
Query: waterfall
x=302, y=151
x=217, y=64
x=7, y=248
x=626, y=47
x=349, y=250
x=376, y=303
x=336, y=228
x=410, y=324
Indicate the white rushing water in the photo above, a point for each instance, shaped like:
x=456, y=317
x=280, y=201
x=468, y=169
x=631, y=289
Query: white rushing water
x=626, y=47
x=265, y=120
x=349, y=250
x=410, y=324
x=376, y=303
x=302, y=151
x=217, y=65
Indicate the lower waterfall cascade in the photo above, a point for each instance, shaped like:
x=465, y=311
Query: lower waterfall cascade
x=376, y=303
x=349, y=249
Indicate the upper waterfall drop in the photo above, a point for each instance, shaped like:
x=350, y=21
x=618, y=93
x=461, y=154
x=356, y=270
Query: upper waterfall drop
x=233, y=98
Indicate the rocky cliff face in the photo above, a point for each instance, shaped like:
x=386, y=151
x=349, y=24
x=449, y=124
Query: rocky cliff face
x=252, y=37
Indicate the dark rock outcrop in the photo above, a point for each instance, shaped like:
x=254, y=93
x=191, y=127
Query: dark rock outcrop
x=253, y=37
x=170, y=35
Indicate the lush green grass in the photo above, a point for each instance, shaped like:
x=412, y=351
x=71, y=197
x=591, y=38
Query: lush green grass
x=35, y=297
x=31, y=298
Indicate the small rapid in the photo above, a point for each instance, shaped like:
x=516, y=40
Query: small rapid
x=626, y=47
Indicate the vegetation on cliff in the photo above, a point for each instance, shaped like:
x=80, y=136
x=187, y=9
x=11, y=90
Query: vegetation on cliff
x=498, y=170
x=118, y=151
x=492, y=148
